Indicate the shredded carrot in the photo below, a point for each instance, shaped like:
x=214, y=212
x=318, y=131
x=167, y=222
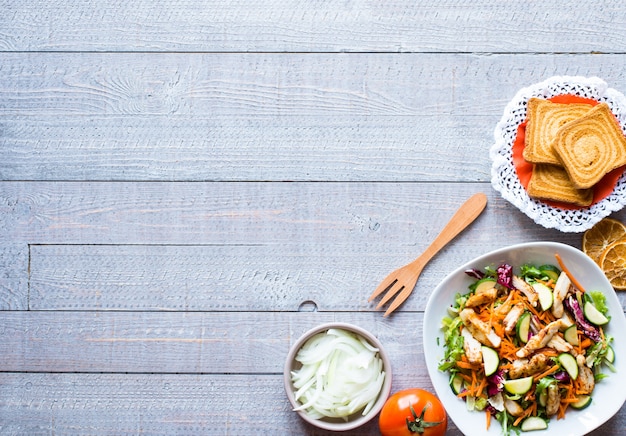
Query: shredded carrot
x=508, y=349
x=569, y=273
x=498, y=328
x=467, y=365
x=481, y=386
x=570, y=400
x=530, y=411
x=465, y=377
x=551, y=370
x=586, y=343
x=493, y=314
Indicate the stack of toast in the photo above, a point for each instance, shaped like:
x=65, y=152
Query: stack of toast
x=572, y=147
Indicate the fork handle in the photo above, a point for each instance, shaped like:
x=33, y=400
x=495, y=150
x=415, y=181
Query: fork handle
x=464, y=216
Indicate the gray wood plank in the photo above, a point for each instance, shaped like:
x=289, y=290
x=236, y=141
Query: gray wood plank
x=392, y=26
x=232, y=213
x=155, y=404
x=76, y=368
x=14, y=275
x=234, y=116
x=185, y=342
x=196, y=246
x=105, y=404
x=334, y=277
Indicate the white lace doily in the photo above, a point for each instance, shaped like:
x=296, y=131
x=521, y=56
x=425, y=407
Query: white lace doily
x=504, y=178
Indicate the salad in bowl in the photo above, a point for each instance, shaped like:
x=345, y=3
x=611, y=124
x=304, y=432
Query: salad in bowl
x=524, y=339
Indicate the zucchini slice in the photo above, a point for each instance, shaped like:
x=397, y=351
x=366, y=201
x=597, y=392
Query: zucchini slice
x=568, y=362
x=583, y=401
x=457, y=384
x=551, y=271
x=571, y=335
x=491, y=360
x=593, y=315
x=534, y=423
x=546, y=297
x=485, y=284
x=522, y=328
x=518, y=386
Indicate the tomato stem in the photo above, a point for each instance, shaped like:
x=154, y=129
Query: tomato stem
x=418, y=424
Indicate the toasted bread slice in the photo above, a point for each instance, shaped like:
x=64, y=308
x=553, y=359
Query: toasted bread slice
x=544, y=119
x=551, y=182
x=591, y=146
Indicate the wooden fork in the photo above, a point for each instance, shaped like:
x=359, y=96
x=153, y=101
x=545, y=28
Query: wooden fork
x=403, y=279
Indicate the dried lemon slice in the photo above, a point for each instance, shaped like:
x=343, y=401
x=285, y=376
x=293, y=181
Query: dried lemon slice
x=598, y=238
x=613, y=263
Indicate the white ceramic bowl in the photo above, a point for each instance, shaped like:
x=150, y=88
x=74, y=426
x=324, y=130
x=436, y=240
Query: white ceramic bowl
x=357, y=419
x=609, y=394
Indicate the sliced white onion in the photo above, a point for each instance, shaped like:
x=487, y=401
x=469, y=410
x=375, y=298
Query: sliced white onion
x=341, y=374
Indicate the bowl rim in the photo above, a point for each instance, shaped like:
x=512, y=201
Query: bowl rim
x=585, y=420
x=382, y=396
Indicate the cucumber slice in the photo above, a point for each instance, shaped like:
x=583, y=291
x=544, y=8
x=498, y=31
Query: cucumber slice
x=522, y=328
x=534, y=423
x=457, y=384
x=543, y=398
x=485, y=284
x=610, y=354
x=551, y=271
x=545, y=295
x=583, y=401
x=571, y=335
x=593, y=315
x=568, y=362
x=491, y=360
x=518, y=386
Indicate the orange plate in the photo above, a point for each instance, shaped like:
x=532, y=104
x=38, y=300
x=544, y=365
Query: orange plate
x=525, y=169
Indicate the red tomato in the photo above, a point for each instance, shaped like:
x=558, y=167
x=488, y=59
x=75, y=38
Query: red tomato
x=413, y=412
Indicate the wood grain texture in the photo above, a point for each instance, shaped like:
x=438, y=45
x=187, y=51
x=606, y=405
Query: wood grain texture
x=235, y=246
x=211, y=342
x=251, y=117
x=242, y=213
x=362, y=25
x=152, y=404
x=155, y=404
x=187, y=186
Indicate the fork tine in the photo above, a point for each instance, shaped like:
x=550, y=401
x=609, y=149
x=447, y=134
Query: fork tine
x=399, y=300
x=390, y=294
x=404, y=279
x=389, y=281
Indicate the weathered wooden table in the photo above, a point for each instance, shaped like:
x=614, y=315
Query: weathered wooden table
x=188, y=186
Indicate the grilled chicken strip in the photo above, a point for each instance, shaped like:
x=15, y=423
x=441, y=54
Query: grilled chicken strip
x=512, y=317
x=560, y=344
x=513, y=407
x=485, y=296
x=471, y=347
x=505, y=306
x=526, y=289
x=479, y=329
x=540, y=340
x=561, y=291
x=524, y=367
x=553, y=399
x=585, y=375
